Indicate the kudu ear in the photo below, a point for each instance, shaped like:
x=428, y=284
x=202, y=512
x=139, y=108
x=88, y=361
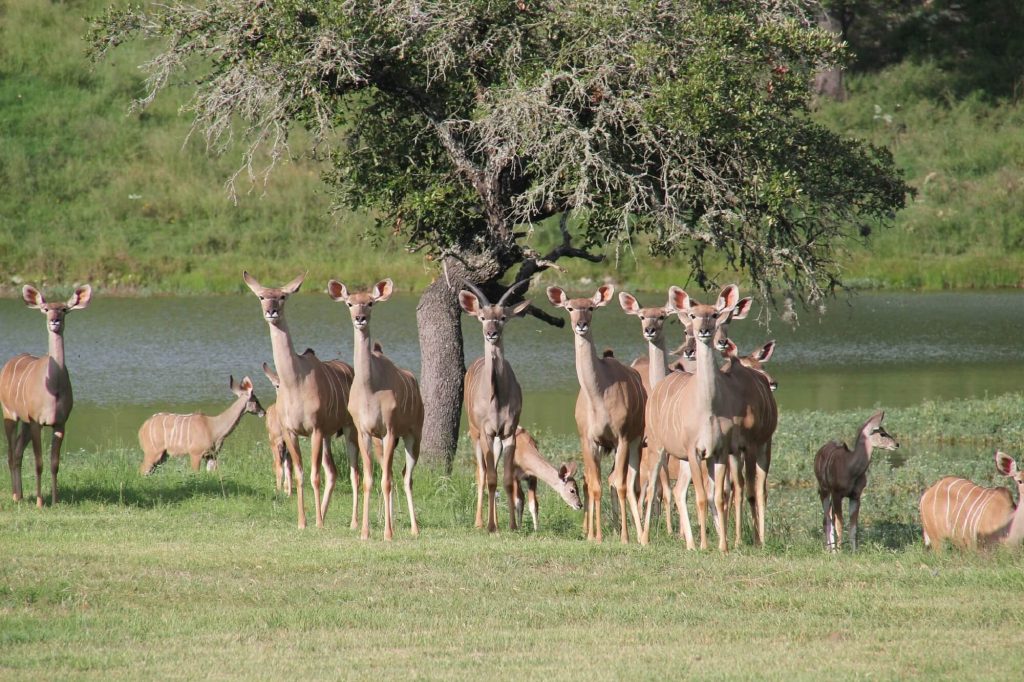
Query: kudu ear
x=629, y=303
x=1005, y=464
x=567, y=471
x=246, y=385
x=294, y=285
x=251, y=282
x=875, y=421
x=469, y=302
x=519, y=309
x=603, y=295
x=337, y=291
x=557, y=296
x=729, y=297
x=678, y=299
x=765, y=352
x=742, y=308
x=730, y=349
x=383, y=289
x=31, y=296
x=272, y=377
x=231, y=384
x=80, y=299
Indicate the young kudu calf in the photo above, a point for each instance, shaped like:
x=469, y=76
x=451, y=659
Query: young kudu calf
x=609, y=414
x=196, y=435
x=530, y=467
x=275, y=436
x=842, y=472
x=971, y=516
x=311, y=401
x=493, y=401
x=384, y=403
x=36, y=392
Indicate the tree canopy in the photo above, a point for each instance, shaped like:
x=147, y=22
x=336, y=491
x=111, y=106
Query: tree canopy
x=464, y=123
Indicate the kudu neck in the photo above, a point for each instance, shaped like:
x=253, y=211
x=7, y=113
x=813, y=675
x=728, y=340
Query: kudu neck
x=284, y=351
x=224, y=423
x=657, y=366
x=361, y=365
x=55, y=344
x=587, y=364
x=706, y=371
x=1015, y=533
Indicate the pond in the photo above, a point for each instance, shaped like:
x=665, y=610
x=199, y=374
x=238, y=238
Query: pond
x=131, y=357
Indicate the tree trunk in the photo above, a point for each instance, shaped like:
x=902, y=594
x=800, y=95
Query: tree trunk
x=829, y=83
x=438, y=319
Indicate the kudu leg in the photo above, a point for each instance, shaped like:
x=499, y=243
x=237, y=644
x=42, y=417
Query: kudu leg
x=292, y=443
x=761, y=492
x=632, y=474
x=491, y=479
x=481, y=483
x=666, y=496
x=389, y=442
x=15, y=449
x=700, y=497
x=656, y=476
x=412, y=456
x=316, y=454
x=508, y=451
x=330, y=474
x=736, y=475
x=826, y=523
x=679, y=495
x=36, y=433
x=719, y=473
x=365, y=453
x=352, y=454
x=854, y=513
x=592, y=478
x=837, y=520
x=534, y=508
x=618, y=481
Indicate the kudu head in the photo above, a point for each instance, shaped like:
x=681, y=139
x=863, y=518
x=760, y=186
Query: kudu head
x=492, y=317
x=705, y=321
x=754, y=361
x=566, y=488
x=652, y=320
x=1008, y=467
x=875, y=435
x=360, y=305
x=244, y=390
x=581, y=310
x=55, y=312
x=272, y=300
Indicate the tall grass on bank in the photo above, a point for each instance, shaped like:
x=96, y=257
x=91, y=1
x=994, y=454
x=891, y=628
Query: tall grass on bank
x=199, y=575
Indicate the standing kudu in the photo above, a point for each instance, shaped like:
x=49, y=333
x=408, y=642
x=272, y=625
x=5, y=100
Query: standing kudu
x=196, y=435
x=36, y=392
x=493, y=401
x=609, y=414
x=384, y=403
x=842, y=472
x=311, y=401
x=969, y=515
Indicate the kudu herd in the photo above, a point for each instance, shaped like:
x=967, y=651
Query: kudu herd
x=666, y=424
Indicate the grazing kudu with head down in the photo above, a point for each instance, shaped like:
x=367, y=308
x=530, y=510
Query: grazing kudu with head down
x=196, y=435
x=609, y=414
x=384, y=403
x=969, y=515
x=842, y=472
x=311, y=401
x=493, y=401
x=36, y=392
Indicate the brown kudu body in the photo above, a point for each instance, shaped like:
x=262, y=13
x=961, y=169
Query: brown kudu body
x=384, y=402
x=842, y=472
x=196, y=435
x=311, y=401
x=493, y=401
x=609, y=415
x=971, y=516
x=36, y=392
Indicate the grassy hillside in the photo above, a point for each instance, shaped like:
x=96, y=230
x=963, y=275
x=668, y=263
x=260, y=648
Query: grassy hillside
x=93, y=193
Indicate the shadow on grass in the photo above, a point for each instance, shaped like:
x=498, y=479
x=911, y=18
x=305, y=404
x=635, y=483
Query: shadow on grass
x=892, y=535
x=143, y=495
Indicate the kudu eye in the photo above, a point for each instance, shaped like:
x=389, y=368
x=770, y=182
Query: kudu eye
x=370, y=304
x=503, y=318
x=261, y=298
x=348, y=304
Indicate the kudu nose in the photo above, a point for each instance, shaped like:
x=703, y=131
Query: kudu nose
x=361, y=319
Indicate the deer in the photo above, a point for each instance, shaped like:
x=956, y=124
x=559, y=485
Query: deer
x=36, y=392
x=384, y=402
x=842, y=472
x=196, y=435
x=311, y=401
x=754, y=360
x=493, y=402
x=971, y=516
x=275, y=436
x=609, y=414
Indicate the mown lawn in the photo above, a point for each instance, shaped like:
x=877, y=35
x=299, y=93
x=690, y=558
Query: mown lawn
x=182, y=575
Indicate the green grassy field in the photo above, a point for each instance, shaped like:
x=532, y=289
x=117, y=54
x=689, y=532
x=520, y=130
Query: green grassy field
x=92, y=193
x=182, y=575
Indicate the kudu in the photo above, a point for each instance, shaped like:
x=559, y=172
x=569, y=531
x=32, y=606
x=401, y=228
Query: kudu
x=275, y=436
x=311, y=401
x=493, y=402
x=842, y=472
x=971, y=516
x=196, y=435
x=36, y=392
x=609, y=414
x=384, y=403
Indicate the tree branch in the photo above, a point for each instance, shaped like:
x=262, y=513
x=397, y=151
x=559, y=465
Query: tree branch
x=545, y=317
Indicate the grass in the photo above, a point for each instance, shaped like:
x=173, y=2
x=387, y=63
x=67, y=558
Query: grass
x=183, y=575
x=92, y=193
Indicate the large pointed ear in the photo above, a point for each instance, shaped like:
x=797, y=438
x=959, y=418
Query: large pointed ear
x=603, y=295
x=246, y=385
x=294, y=285
x=80, y=299
x=251, y=282
x=272, y=377
x=519, y=309
x=875, y=421
x=678, y=299
x=765, y=352
x=232, y=385
x=557, y=296
x=1005, y=464
x=742, y=308
x=567, y=471
x=31, y=296
x=383, y=289
x=629, y=303
x=469, y=302
x=337, y=291
x=729, y=297
x=730, y=349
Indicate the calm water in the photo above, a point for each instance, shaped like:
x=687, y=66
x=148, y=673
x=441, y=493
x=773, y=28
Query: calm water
x=130, y=358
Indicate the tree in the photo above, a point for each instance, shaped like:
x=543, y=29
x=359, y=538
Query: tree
x=466, y=123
